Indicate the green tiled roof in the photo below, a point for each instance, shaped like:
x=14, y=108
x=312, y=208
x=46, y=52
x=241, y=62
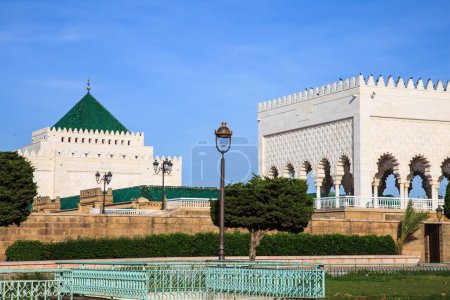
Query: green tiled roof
x=154, y=193
x=89, y=114
x=69, y=202
x=126, y=194
x=151, y=192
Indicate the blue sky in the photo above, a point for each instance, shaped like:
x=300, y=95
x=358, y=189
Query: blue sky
x=175, y=69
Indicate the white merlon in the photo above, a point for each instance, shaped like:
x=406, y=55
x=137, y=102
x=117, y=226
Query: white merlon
x=351, y=83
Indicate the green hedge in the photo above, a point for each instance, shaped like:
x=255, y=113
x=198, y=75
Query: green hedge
x=200, y=244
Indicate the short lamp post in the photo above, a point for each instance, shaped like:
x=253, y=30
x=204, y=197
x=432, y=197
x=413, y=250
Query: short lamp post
x=439, y=211
x=165, y=168
x=223, y=143
x=106, y=178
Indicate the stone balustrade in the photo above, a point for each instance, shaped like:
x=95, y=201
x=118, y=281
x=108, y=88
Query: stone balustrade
x=375, y=202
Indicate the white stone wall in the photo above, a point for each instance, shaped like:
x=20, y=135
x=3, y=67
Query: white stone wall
x=66, y=161
x=329, y=141
x=361, y=119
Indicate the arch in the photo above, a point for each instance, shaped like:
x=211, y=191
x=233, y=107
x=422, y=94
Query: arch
x=324, y=173
x=420, y=166
x=345, y=175
x=305, y=168
x=387, y=165
x=273, y=172
x=444, y=179
x=289, y=171
x=306, y=173
x=445, y=169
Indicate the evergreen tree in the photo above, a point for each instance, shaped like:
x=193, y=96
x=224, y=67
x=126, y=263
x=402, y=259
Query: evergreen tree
x=447, y=201
x=265, y=204
x=17, y=188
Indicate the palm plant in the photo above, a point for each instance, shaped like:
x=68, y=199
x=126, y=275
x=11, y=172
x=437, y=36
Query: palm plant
x=409, y=225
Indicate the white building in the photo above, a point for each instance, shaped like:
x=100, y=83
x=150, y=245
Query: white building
x=355, y=133
x=88, y=139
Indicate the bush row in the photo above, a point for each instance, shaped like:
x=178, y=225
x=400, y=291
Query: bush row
x=200, y=244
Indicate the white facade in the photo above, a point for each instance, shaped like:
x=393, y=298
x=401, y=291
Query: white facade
x=66, y=161
x=358, y=131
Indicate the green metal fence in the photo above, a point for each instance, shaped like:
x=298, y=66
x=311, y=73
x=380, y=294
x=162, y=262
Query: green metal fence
x=53, y=287
x=184, y=280
x=175, y=280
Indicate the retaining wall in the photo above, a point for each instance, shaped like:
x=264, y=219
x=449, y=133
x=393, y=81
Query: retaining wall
x=49, y=227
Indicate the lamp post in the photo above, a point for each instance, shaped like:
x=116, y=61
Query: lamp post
x=106, y=178
x=165, y=168
x=223, y=143
x=439, y=211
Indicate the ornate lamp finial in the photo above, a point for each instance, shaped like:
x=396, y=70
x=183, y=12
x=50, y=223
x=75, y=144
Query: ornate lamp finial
x=88, y=86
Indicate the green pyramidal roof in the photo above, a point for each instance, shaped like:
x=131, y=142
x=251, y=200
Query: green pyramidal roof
x=89, y=114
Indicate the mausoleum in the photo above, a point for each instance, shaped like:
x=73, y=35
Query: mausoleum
x=87, y=139
x=354, y=133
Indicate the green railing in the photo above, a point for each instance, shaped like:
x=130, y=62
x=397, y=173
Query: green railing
x=184, y=280
x=69, y=202
x=54, y=286
x=179, y=280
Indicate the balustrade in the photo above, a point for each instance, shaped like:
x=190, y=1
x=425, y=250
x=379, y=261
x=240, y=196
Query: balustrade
x=127, y=211
x=380, y=202
x=188, y=203
x=176, y=203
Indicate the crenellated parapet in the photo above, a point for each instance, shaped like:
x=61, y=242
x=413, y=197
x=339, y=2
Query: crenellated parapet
x=100, y=137
x=138, y=155
x=85, y=154
x=350, y=83
x=90, y=131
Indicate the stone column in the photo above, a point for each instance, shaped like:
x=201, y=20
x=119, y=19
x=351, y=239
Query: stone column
x=318, y=204
x=434, y=194
x=403, y=194
x=401, y=189
x=376, y=185
x=336, y=194
x=406, y=193
x=375, y=193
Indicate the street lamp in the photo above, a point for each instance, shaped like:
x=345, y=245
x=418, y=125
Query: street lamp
x=106, y=178
x=223, y=143
x=165, y=168
x=439, y=211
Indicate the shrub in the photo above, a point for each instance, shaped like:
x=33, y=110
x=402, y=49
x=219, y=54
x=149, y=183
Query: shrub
x=200, y=244
x=27, y=250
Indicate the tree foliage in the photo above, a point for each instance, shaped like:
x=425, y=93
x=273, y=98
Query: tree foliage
x=409, y=224
x=17, y=188
x=447, y=201
x=265, y=204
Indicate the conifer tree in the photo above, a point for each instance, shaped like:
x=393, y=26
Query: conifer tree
x=17, y=188
x=447, y=201
x=265, y=204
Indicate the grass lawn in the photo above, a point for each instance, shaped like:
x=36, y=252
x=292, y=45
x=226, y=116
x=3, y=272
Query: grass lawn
x=398, y=285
